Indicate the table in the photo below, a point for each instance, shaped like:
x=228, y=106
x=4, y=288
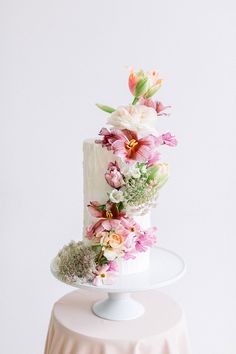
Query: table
x=74, y=329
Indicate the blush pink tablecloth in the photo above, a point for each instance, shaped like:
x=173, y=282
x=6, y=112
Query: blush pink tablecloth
x=74, y=329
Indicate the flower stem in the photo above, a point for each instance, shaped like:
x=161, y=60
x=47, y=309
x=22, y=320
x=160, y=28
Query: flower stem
x=100, y=255
x=135, y=100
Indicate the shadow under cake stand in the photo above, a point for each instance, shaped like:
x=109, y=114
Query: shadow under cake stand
x=165, y=268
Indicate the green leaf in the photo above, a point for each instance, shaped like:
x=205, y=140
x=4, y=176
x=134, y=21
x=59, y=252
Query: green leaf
x=120, y=206
x=105, y=108
x=135, y=100
x=96, y=248
x=103, y=260
x=101, y=207
x=141, y=164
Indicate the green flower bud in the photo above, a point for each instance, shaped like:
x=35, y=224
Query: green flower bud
x=151, y=92
x=141, y=87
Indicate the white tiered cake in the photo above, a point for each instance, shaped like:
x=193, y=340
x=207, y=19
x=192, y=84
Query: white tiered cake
x=122, y=179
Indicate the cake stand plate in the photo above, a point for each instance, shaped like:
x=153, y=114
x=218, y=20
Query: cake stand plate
x=165, y=268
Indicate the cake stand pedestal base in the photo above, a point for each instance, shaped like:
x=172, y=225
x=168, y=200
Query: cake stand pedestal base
x=118, y=307
x=165, y=268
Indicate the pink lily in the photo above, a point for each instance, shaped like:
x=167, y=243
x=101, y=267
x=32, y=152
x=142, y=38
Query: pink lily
x=107, y=211
x=108, y=137
x=109, y=217
x=129, y=147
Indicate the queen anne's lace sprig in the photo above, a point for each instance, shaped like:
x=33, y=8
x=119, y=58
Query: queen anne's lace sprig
x=75, y=263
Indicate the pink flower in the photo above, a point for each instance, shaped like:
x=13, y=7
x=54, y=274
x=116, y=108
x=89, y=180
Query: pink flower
x=126, y=144
x=104, y=276
x=129, y=255
x=120, y=225
x=131, y=225
x=153, y=159
x=113, y=175
x=108, y=138
x=94, y=209
x=130, y=148
x=105, y=211
x=113, y=266
x=100, y=226
x=108, y=214
x=168, y=139
x=158, y=106
x=96, y=228
x=146, y=240
x=123, y=226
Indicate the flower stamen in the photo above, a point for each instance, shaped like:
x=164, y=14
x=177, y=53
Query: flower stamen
x=109, y=214
x=131, y=144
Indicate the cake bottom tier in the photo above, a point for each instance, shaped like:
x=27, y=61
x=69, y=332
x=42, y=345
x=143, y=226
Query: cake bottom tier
x=137, y=265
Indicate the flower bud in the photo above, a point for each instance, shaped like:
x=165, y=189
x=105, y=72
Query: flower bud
x=141, y=87
x=132, y=82
x=151, y=92
x=113, y=176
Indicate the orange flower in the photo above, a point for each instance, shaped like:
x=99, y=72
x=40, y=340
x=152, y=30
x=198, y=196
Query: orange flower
x=115, y=240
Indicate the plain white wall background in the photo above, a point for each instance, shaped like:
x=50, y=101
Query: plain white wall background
x=57, y=59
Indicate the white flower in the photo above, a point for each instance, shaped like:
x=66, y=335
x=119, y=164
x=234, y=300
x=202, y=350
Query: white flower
x=116, y=196
x=129, y=170
x=125, y=169
x=110, y=254
x=138, y=118
x=143, y=169
x=135, y=173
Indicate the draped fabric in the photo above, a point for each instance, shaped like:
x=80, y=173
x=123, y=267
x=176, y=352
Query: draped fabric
x=74, y=329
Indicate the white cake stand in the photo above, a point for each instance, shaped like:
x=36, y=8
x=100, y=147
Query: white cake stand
x=165, y=268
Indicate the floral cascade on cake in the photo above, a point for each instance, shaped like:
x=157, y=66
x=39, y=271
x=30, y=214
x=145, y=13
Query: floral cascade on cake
x=134, y=176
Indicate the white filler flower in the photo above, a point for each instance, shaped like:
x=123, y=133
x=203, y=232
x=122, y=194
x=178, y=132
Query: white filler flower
x=129, y=170
x=138, y=118
x=116, y=196
x=135, y=173
x=110, y=254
